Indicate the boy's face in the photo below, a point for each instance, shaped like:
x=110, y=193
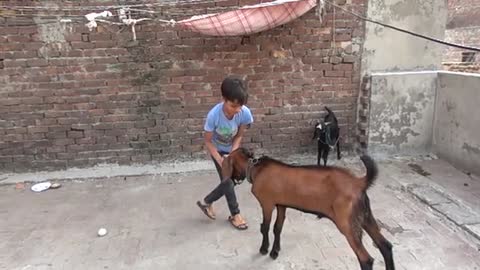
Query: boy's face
x=230, y=108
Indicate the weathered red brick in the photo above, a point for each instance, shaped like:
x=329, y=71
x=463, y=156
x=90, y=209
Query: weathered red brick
x=153, y=105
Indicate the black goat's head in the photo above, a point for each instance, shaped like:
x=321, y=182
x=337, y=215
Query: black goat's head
x=321, y=128
x=325, y=127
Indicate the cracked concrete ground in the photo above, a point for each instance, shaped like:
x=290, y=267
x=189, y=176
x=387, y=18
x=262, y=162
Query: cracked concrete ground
x=153, y=223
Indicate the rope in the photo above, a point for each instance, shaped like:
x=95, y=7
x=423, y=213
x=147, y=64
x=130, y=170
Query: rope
x=251, y=163
x=331, y=146
x=177, y=3
x=163, y=4
x=320, y=10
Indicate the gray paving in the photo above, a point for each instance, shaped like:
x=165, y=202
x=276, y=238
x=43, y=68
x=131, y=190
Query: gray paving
x=153, y=223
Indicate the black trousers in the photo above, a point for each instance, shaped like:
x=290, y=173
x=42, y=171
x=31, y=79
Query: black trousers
x=224, y=188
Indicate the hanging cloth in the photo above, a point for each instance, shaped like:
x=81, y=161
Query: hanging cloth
x=248, y=19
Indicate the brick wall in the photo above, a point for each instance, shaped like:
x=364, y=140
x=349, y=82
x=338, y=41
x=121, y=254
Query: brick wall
x=364, y=113
x=463, y=27
x=462, y=67
x=75, y=98
x=466, y=36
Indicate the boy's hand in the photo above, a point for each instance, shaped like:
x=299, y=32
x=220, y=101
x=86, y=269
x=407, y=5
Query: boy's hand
x=220, y=162
x=222, y=158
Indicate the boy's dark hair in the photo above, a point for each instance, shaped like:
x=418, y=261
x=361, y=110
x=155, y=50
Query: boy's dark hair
x=234, y=89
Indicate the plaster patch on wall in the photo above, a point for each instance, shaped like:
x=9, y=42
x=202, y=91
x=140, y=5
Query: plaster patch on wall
x=455, y=136
x=450, y=105
x=403, y=9
x=52, y=34
x=401, y=108
x=380, y=7
x=471, y=149
x=393, y=51
x=397, y=120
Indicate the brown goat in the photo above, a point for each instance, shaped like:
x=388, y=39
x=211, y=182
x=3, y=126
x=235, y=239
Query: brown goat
x=330, y=192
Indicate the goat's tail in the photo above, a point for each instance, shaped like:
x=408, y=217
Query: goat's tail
x=372, y=170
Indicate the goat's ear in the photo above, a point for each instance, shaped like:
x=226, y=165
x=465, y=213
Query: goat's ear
x=227, y=168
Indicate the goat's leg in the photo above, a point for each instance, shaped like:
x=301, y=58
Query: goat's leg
x=338, y=150
x=326, y=150
x=371, y=227
x=319, y=153
x=354, y=238
x=277, y=230
x=265, y=227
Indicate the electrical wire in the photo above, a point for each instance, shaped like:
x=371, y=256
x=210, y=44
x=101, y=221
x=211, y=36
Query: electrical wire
x=405, y=31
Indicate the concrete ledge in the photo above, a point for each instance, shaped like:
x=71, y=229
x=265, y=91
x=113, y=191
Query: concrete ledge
x=114, y=170
x=445, y=204
x=107, y=171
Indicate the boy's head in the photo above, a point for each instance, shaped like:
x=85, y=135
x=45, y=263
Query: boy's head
x=234, y=90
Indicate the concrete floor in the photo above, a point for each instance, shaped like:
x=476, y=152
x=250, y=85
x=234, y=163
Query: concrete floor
x=153, y=223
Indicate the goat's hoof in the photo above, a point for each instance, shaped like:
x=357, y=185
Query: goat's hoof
x=274, y=254
x=263, y=251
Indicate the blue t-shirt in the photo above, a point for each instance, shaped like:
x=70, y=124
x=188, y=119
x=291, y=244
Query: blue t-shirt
x=224, y=129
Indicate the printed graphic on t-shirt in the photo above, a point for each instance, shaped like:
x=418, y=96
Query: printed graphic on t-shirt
x=225, y=134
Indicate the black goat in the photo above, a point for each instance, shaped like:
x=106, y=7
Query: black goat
x=328, y=135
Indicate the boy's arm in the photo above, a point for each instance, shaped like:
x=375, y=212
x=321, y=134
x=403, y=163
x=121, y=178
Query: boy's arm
x=237, y=140
x=212, y=150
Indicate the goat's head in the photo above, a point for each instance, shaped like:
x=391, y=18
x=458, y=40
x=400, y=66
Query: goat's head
x=330, y=116
x=320, y=129
x=324, y=127
x=235, y=165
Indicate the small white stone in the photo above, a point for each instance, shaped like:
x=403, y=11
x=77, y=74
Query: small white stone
x=102, y=232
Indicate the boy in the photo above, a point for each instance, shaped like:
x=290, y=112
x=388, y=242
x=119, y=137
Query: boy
x=224, y=128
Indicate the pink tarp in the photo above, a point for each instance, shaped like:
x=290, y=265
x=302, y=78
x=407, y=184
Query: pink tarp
x=249, y=19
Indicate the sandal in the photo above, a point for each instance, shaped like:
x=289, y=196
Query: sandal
x=242, y=226
x=205, y=209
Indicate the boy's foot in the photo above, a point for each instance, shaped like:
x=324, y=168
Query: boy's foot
x=207, y=209
x=238, y=222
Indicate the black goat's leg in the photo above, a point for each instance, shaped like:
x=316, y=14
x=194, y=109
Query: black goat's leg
x=338, y=150
x=277, y=230
x=326, y=150
x=265, y=227
x=319, y=153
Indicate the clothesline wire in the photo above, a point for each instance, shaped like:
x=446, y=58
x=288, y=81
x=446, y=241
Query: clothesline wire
x=92, y=8
x=404, y=30
x=133, y=8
